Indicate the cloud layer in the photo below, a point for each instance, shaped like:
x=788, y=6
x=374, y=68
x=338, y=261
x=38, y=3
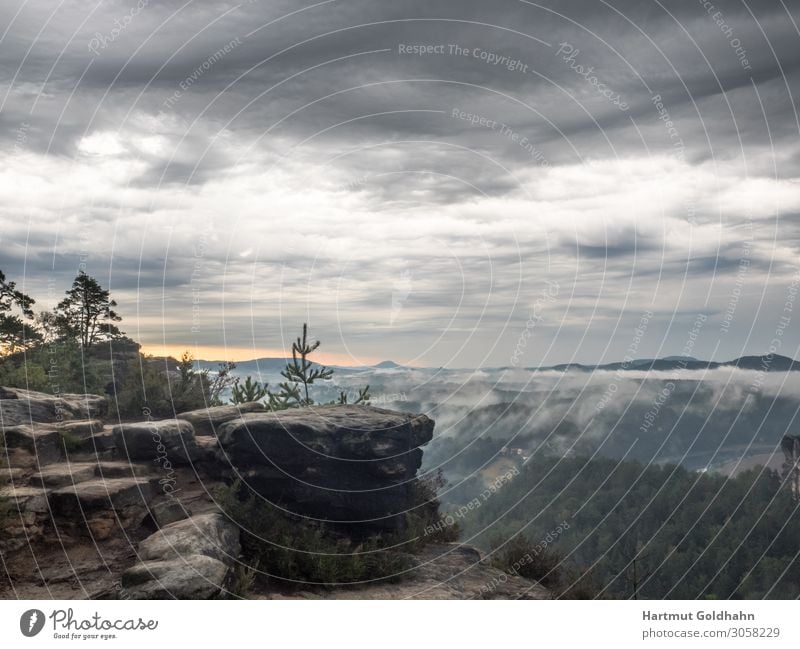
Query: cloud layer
x=409, y=177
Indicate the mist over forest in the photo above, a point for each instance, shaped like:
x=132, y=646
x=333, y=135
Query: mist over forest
x=700, y=419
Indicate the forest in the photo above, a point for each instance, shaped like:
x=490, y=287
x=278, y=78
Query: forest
x=633, y=530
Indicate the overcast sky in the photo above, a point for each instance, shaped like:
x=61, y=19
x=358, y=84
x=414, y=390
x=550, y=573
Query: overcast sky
x=527, y=187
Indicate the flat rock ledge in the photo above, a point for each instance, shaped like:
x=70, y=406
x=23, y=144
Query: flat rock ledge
x=352, y=466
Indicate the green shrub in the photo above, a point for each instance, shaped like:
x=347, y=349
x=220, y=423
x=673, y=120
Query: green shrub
x=520, y=556
x=293, y=549
x=425, y=523
x=27, y=375
x=578, y=584
x=70, y=443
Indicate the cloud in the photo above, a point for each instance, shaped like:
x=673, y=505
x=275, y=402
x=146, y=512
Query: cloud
x=306, y=137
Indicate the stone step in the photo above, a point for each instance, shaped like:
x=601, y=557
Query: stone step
x=81, y=428
x=12, y=474
x=166, y=441
x=102, y=507
x=65, y=473
x=122, y=469
x=101, y=494
x=27, y=515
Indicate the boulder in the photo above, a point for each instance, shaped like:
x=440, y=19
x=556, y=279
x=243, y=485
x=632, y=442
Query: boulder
x=209, y=534
x=167, y=442
x=190, y=559
x=195, y=576
x=207, y=421
x=343, y=464
x=168, y=511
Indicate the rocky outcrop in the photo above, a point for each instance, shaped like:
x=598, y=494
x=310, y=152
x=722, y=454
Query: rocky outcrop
x=351, y=466
x=19, y=406
x=168, y=440
x=208, y=420
x=790, y=445
x=129, y=511
x=190, y=559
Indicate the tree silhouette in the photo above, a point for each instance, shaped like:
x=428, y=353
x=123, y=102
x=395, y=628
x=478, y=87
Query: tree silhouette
x=15, y=333
x=301, y=372
x=87, y=314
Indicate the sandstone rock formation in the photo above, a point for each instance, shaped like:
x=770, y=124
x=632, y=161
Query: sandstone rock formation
x=129, y=511
x=170, y=440
x=347, y=465
x=207, y=421
x=18, y=406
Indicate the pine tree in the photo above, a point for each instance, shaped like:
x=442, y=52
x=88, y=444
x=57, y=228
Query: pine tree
x=87, y=314
x=250, y=390
x=300, y=375
x=15, y=333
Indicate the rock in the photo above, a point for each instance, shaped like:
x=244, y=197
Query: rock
x=19, y=458
x=190, y=559
x=168, y=442
x=19, y=406
x=101, y=505
x=350, y=465
x=208, y=534
x=99, y=493
x=168, y=511
x=196, y=576
x=11, y=474
x=122, y=469
x=64, y=473
x=99, y=443
x=207, y=421
x=81, y=428
x=25, y=498
x=42, y=441
x=450, y=571
x=27, y=516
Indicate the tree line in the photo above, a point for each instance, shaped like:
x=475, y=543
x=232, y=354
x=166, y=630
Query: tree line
x=641, y=531
x=78, y=347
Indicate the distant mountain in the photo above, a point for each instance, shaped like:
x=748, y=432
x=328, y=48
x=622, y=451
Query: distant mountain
x=671, y=363
x=387, y=365
x=263, y=365
x=273, y=365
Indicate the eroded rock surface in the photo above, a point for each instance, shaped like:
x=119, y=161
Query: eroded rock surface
x=170, y=440
x=129, y=511
x=208, y=420
x=348, y=465
x=190, y=559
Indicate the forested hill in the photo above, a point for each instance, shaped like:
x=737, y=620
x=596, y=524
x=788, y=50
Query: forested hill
x=650, y=531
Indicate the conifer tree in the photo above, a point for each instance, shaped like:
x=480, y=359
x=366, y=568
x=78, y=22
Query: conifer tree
x=87, y=314
x=15, y=333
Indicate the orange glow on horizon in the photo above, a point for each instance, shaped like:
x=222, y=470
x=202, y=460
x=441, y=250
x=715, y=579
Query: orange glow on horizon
x=239, y=354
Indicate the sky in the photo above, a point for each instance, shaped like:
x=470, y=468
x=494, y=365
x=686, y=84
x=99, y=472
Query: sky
x=441, y=183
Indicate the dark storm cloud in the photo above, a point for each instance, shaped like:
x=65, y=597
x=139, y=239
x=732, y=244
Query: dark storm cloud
x=129, y=119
